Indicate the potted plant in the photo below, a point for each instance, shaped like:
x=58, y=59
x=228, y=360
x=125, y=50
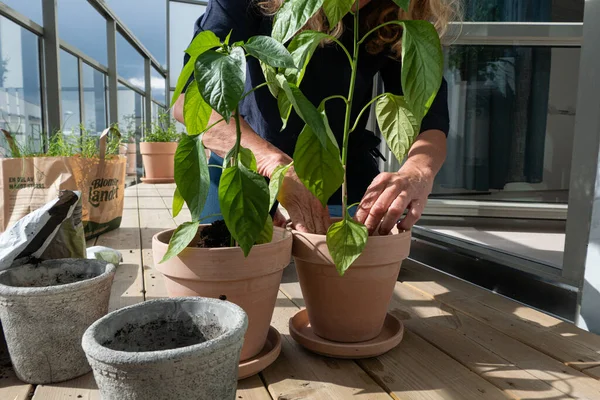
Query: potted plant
x=158, y=150
x=45, y=309
x=240, y=258
x=186, y=348
x=347, y=278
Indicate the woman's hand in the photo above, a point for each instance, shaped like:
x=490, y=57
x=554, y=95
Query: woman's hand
x=390, y=194
x=305, y=210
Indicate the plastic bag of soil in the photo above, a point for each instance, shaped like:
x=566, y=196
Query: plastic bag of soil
x=51, y=232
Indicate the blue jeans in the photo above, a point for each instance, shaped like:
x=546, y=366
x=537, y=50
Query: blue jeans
x=212, y=202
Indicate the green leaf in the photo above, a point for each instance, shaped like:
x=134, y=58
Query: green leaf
x=319, y=168
x=203, y=41
x=181, y=238
x=422, y=65
x=244, y=200
x=292, y=16
x=266, y=235
x=403, y=4
x=346, y=240
x=228, y=37
x=276, y=181
x=246, y=157
x=221, y=79
x=336, y=9
x=304, y=108
x=285, y=108
x=270, y=74
x=177, y=203
x=269, y=51
x=191, y=173
x=398, y=124
x=302, y=47
x=196, y=112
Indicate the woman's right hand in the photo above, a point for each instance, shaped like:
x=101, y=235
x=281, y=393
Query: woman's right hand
x=306, y=211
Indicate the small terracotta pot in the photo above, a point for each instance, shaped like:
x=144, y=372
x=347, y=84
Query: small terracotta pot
x=129, y=150
x=350, y=308
x=250, y=282
x=159, y=161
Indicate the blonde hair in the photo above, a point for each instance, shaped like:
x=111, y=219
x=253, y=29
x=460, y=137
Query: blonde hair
x=439, y=12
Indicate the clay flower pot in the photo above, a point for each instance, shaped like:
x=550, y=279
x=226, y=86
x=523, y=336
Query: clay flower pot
x=252, y=282
x=350, y=308
x=159, y=161
x=45, y=310
x=186, y=348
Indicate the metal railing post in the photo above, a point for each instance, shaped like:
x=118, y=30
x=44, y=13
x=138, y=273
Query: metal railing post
x=52, y=66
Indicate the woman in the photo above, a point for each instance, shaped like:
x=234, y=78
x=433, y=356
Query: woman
x=384, y=196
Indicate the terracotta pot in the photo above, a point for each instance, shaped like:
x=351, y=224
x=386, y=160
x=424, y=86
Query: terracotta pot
x=350, y=308
x=250, y=282
x=159, y=161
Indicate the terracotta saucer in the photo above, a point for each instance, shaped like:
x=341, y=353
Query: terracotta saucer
x=262, y=360
x=390, y=337
x=157, y=180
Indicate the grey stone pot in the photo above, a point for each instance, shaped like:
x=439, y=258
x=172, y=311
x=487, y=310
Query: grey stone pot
x=179, y=348
x=45, y=309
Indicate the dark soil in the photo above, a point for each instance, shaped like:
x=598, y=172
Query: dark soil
x=61, y=279
x=214, y=236
x=160, y=335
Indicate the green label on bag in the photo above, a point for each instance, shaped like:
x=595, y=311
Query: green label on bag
x=102, y=190
x=93, y=229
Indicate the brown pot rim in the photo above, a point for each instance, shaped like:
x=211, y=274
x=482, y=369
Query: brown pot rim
x=210, y=263
x=150, y=148
x=378, y=251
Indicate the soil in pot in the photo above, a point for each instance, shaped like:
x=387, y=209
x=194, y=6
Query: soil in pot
x=162, y=334
x=215, y=235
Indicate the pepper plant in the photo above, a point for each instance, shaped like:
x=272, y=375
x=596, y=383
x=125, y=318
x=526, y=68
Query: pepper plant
x=317, y=157
x=245, y=198
x=219, y=71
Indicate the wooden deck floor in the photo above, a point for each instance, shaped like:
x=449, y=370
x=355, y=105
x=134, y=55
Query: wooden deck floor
x=461, y=342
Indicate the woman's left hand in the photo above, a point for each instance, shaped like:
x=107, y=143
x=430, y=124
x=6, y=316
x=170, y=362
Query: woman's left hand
x=390, y=194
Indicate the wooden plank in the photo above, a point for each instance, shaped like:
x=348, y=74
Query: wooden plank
x=252, y=389
x=82, y=388
x=416, y=370
x=542, y=332
x=299, y=374
x=519, y=370
x=152, y=222
x=11, y=388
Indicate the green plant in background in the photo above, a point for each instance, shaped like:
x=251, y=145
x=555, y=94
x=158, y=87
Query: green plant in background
x=220, y=73
x=163, y=129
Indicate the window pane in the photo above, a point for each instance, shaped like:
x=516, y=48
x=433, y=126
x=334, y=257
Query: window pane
x=512, y=112
x=80, y=25
x=147, y=20
x=182, y=18
x=158, y=86
x=20, y=97
x=69, y=91
x=524, y=11
x=130, y=63
x=94, y=98
x=30, y=8
x=131, y=111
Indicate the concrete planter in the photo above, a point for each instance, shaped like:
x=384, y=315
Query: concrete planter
x=183, y=348
x=45, y=309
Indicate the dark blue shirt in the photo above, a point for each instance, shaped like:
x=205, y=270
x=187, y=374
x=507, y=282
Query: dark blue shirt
x=328, y=74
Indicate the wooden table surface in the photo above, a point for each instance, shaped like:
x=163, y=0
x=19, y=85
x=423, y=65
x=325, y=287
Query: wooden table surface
x=461, y=342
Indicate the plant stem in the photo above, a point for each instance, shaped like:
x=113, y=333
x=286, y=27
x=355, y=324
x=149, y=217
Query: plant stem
x=336, y=41
x=254, y=89
x=365, y=108
x=238, y=135
x=378, y=27
x=212, y=125
x=349, y=111
x=336, y=96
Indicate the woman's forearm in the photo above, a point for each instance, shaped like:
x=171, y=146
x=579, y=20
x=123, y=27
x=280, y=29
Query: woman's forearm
x=221, y=138
x=428, y=153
